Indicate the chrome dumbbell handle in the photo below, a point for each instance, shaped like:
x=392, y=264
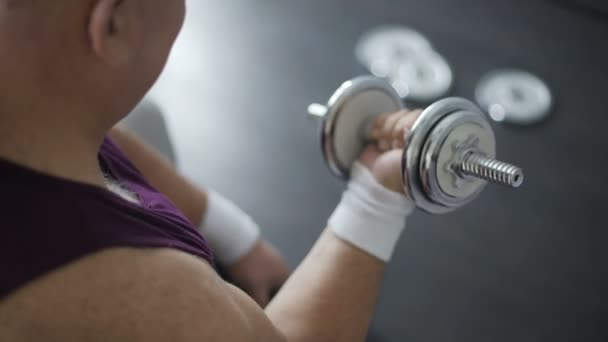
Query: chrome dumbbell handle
x=471, y=164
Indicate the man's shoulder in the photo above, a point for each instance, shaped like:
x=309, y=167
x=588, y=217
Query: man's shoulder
x=116, y=291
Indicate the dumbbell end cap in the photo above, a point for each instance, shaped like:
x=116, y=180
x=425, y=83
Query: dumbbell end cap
x=317, y=110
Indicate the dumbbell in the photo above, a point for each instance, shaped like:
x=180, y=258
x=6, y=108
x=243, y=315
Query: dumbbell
x=449, y=154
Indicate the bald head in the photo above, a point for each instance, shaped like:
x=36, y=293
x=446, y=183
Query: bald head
x=93, y=58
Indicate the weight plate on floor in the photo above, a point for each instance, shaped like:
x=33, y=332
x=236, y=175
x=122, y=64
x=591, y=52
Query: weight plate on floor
x=381, y=48
x=514, y=96
x=424, y=78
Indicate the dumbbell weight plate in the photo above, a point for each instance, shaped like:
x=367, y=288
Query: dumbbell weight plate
x=353, y=105
x=423, y=78
x=514, y=96
x=450, y=140
x=422, y=176
x=381, y=48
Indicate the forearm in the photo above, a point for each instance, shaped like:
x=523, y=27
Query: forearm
x=159, y=171
x=331, y=296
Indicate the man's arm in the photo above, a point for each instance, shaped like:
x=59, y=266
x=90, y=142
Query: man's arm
x=167, y=295
x=330, y=297
x=158, y=295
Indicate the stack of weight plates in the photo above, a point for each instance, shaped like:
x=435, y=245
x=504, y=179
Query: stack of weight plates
x=407, y=59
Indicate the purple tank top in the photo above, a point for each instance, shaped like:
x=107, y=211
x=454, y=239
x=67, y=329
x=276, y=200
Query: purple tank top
x=49, y=222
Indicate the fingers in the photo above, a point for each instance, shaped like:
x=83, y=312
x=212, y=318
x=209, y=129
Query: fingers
x=403, y=128
x=378, y=128
x=386, y=140
x=382, y=127
x=390, y=130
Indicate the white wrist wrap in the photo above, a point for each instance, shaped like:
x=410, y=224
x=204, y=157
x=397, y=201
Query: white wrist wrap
x=370, y=216
x=230, y=231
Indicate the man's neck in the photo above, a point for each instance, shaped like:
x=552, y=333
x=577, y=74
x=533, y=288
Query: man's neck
x=53, y=145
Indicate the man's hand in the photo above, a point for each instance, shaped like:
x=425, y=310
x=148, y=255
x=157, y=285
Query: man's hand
x=261, y=273
x=384, y=158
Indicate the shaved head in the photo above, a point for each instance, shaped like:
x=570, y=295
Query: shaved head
x=70, y=70
x=92, y=56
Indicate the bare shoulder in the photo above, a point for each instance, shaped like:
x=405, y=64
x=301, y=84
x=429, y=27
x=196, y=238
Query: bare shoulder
x=133, y=295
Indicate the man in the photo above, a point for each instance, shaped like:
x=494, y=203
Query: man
x=92, y=250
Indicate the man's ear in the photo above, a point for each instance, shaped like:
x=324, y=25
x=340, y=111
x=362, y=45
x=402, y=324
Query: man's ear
x=114, y=31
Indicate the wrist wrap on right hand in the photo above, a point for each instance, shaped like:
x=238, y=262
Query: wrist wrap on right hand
x=370, y=216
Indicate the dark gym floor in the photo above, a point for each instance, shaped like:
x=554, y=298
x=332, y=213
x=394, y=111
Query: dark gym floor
x=525, y=265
